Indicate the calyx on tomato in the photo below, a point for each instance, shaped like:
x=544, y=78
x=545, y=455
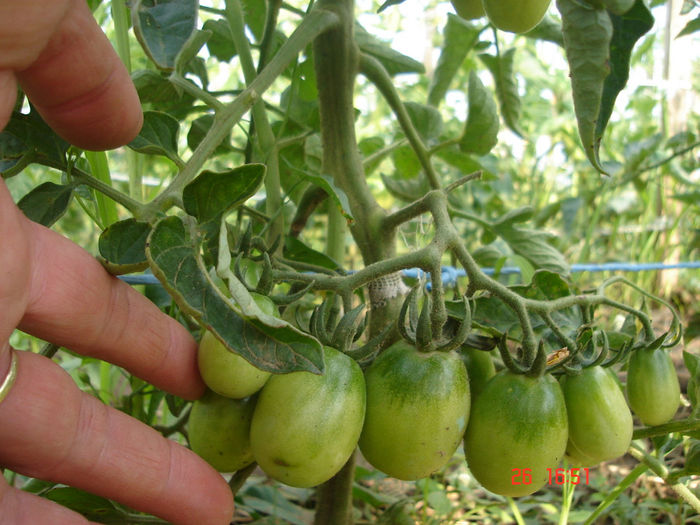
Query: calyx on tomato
x=600, y=422
x=417, y=410
x=306, y=426
x=517, y=422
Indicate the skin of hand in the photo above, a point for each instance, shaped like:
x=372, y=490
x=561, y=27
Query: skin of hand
x=51, y=288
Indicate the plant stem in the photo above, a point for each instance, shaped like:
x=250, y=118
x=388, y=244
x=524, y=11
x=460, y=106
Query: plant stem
x=316, y=22
x=106, y=209
x=335, y=497
x=266, y=137
x=378, y=75
x=682, y=426
x=121, y=35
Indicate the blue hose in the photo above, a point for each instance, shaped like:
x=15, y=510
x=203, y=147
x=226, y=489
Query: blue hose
x=450, y=274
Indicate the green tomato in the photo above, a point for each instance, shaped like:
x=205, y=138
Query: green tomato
x=480, y=369
x=600, y=422
x=653, y=389
x=306, y=426
x=516, y=16
x=227, y=373
x=469, y=9
x=218, y=430
x=417, y=410
x=517, y=430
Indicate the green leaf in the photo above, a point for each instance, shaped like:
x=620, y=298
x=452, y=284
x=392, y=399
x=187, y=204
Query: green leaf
x=389, y=3
x=153, y=87
x=481, y=130
x=255, y=12
x=186, y=57
x=220, y=45
x=426, y=119
x=334, y=192
x=26, y=139
x=627, y=30
x=214, y=193
x=459, y=38
x=94, y=508
x=175, y=259
x=548, y=29
x=406, y=189
x=199, y=129
x=691, y=27
x=123, y=246
x=158, y=136
x=501, y=67
x=531, y=244
x=296, y=250
x=162, y=27
x=393, y=61
x=46, y=203
x=587, y=35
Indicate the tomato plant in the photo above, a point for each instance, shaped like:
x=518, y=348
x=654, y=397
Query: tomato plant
x=300, y=177
x=417, y=410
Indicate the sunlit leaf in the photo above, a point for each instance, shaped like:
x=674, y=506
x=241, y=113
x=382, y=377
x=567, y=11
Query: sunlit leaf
x=481, y=130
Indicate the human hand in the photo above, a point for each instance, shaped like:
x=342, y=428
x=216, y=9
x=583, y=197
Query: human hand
x=53, y=289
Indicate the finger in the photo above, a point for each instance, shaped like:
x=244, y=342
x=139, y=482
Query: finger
x=8, y=96
x=75, y=303
x=51, y=430
x=17, y=506
x=80, y=86
x=55, y=290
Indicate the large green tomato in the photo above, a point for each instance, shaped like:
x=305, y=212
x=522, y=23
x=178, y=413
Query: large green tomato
x=517, y=430
x=600, y=422
x=218, y=431
x=417, y=410
x=480, y=368
x=653, y=390
x=226, y=373
x=516, y=16
x=306, y=426
x=469, y=9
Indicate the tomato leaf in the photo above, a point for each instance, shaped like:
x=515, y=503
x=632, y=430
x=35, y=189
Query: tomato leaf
x=175, y=260
x=27, y=139
x=481, y=130
x=334, y=192
x=548, y=29
x=123, y=246
x=220, y=44
x=627, y=30
x=163, y=27
x=46, y=203
x=392, y=60
x=186, y=56
x=426, y=119
x=459, y=38
x=198, y=130
x=158, y=135
x=501, y=67
x=296, y=250
x=213, y=193
x=587, y=35
x=94, y=508
x=691, y=27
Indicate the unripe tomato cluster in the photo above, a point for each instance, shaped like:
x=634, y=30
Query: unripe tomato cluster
x=516, y=16
x=410, y=410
